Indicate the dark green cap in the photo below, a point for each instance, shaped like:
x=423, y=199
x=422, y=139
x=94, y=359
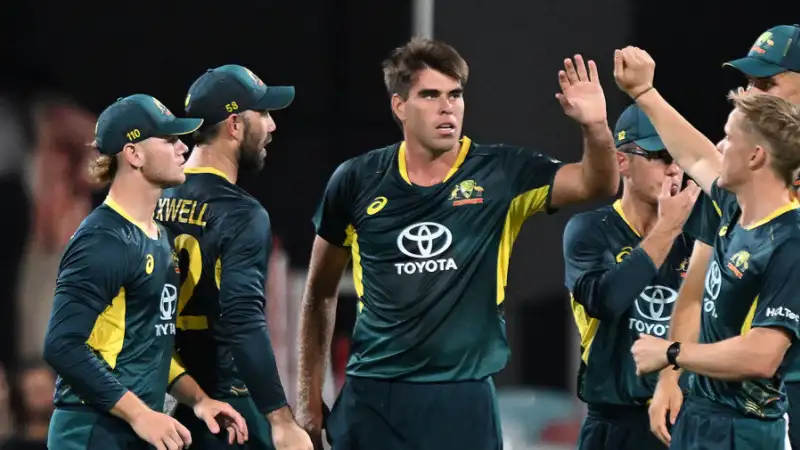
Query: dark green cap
x=777, y=50
x=233, y=89
x=136, y=118
x=634, y=126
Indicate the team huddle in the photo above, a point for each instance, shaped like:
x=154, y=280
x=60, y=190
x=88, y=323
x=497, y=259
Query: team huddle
x=683, y=289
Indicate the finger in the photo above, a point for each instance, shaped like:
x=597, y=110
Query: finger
x=184, y=434
x=594, y=77
x=159, y=445
x=663, y=434
x=563, y=81
x=572, y=75
x=231, y=435
x=693, y=188
x=618, y=64
x=676, y=408
x=170, y=442
x=581, y=67
x=666, y=188
x=240, y=437
x=237, y=419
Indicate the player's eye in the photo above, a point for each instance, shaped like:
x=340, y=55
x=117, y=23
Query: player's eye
x=171, y=139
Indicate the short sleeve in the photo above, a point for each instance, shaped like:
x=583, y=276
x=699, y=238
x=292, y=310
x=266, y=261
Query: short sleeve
x=93, y=269
x=531, y=175
x=704, y=221
x=778, y=302
x=333, y=215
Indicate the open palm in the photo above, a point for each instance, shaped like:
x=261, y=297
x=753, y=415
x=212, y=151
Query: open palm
x=581, y=95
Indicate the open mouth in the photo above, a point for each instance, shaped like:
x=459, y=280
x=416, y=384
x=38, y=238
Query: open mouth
x=446, y=129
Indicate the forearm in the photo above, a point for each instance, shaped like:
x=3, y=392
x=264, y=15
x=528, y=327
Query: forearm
x=66, y=351
x=129, y=407
x=316, y=332
x=186, y=391
x=255, y=359
x=684, y=142
x=658, y=243
x=733, y=359
x=599, y=167
x=610, y=293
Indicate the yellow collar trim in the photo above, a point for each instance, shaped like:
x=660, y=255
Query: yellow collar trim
x=462, y=155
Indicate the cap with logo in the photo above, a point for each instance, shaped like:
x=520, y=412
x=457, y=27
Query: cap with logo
x=634, y=126
x=233, y=89
x=777, y=50
x=135, y=118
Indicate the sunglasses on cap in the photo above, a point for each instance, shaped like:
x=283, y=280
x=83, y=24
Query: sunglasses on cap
x=662, y=155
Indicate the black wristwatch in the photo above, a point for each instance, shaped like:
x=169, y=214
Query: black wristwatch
x=672, y=354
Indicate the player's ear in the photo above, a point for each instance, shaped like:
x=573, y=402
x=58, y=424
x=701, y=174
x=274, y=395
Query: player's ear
x=399, y=107
x=234, y=126
x=624, y=163
x=758, y=158
x=133, y=155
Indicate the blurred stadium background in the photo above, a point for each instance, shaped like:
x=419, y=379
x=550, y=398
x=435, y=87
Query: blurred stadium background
x=63, y=62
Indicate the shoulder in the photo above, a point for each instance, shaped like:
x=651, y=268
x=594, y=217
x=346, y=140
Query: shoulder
x=595, y=218
x=511, y=153
x=588, y=225
x=370, y=163
x=105, y=226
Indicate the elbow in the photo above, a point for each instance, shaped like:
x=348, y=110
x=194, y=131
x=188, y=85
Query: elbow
x=764, y=366
x=52, y=352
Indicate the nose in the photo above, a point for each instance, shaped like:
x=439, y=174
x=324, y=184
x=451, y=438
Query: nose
x=673, y=169
x=445, y=105
x=180, y=147
x=270, y=124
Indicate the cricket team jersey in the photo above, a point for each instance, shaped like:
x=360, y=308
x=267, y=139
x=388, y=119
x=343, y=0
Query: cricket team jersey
x=223, y=241
x=113, y=322
x=430, y=263
x=617, y=294
x=747, y=285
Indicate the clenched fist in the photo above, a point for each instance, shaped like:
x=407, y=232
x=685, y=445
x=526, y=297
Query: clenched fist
x=634, y=70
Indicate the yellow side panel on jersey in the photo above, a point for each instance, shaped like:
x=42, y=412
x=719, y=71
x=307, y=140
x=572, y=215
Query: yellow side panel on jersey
x=108, y=333
x=358, y=273
x=176, y=368
x=521, y=207
x=748, y=320
x=587, y=327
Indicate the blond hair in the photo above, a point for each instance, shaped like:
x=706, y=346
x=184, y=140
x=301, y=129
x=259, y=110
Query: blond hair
x=775, y=122
x=103, y=168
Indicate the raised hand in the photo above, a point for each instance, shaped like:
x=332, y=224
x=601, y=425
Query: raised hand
x=581, y=95
x=634, y=70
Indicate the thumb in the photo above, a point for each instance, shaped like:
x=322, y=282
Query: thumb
x=563, y=100
x=673, y=412
x=693, y=188
x=618, y=63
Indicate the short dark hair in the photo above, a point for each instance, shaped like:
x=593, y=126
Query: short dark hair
x=400, y=69
x=205, y=135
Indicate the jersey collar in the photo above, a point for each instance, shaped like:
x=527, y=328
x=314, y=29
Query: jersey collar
x=211, y=170
x=118, y=209
x=462, y=154
x=618, y=209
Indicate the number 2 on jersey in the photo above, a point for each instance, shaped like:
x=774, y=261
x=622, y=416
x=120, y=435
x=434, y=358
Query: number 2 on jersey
x=187, y=243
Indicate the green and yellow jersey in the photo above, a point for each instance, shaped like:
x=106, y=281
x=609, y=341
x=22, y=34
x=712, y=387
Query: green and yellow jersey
x=113, y=322
x=223, y=240
x=430, y=263
x=746, y=286
x=617, y=293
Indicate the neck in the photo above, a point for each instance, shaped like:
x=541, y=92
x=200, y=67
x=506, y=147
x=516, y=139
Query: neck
x=427, y=167
x=137, y=197
x=214, y=157
x=761, y=197
x=641, y=215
